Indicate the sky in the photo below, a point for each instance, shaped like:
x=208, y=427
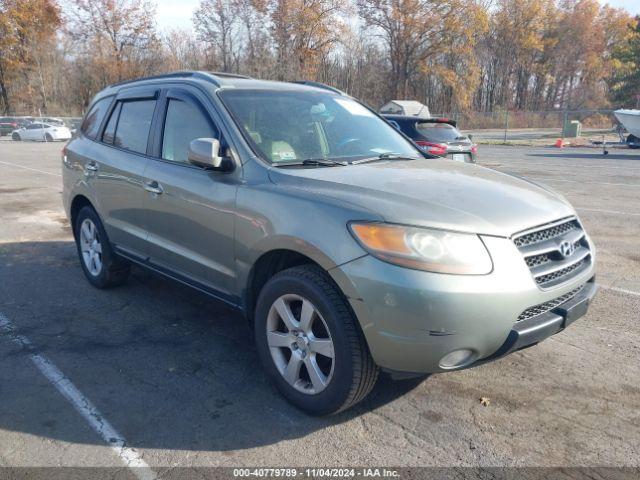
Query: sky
x=178, y=13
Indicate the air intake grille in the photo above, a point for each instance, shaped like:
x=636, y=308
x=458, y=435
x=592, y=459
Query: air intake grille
x=550, y=305
x=555, y=253
x=546, y=234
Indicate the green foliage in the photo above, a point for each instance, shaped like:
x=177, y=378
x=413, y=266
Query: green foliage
x=625, y=83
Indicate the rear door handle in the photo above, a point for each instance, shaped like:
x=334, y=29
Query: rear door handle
x=153, y=187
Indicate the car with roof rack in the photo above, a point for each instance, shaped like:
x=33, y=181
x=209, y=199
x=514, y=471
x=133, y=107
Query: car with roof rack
x=348, y=251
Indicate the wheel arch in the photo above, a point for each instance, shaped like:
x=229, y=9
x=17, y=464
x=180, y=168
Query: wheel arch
x=78, y=202
x=266, y=266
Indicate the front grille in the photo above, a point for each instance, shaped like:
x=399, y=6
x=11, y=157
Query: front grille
x=546, y=234
x=542, y=249
x=550, y=305
x=536, y=260
x=544, y=279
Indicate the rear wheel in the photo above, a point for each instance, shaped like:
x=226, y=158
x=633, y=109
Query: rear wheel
x=15, y=137
x=100, y=264
x=633, y=141
x=310, y=344
x=48, y=137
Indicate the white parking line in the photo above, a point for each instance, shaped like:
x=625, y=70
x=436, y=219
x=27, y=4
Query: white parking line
x=585, y=167
x=614, y=212
x=620, y=290
x=547, y=179
x=9, y=164
x=82, y=404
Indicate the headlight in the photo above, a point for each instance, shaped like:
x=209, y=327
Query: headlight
x=424, y=249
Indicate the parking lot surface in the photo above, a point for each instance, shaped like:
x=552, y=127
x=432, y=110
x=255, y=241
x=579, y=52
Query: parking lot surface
x=176, y=375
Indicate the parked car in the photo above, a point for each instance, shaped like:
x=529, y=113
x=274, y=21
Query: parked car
x=8, y=125
x=436, y=136
x=42, y=132
x=346, y=249
x=52, y=121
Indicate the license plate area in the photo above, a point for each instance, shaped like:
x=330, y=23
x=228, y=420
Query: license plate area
x=459, y=157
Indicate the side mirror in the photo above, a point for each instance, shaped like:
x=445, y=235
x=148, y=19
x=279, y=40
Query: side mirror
x=205, y=152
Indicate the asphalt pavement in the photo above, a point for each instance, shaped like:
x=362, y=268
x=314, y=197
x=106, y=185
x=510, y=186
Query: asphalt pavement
x=155, y=374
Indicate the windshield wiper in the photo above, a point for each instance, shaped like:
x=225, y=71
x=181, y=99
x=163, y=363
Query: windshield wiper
x=318, y=162
x=385, y=156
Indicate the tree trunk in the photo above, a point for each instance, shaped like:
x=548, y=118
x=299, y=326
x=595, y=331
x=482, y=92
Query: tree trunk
x=3, y=91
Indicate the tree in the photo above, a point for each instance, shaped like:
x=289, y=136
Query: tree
x=27, y=28
x=117, y=37
x=625, y=87
x=216, y=22
x=425, y=38
x=303, y=32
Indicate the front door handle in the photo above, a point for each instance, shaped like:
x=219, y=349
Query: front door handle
x=153, y=187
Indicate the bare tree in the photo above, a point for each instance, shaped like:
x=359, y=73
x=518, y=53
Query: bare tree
x=118, y=34
x=216, y=22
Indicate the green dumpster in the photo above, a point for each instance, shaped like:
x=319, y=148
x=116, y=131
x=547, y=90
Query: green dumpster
x=573, y=129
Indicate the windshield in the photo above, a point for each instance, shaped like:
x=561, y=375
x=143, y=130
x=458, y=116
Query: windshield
x=293, y=126
x=439, y=132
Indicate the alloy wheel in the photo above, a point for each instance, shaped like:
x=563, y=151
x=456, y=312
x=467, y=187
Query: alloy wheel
x=300, y=344
x=90, y=247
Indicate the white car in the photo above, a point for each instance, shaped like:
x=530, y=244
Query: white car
x=43, y=132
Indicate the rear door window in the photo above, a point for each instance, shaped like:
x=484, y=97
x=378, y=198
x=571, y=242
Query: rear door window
x=133, y=125
x=91, y=123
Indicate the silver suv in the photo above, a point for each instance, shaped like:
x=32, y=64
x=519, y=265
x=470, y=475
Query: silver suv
x=346, y=248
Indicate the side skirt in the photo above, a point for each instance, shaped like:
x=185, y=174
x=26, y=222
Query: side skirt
x=232, y=301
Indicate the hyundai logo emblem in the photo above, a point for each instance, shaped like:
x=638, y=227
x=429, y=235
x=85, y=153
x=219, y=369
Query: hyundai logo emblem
x=566, y=248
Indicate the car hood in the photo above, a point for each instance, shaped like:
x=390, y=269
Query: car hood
x=434, y=193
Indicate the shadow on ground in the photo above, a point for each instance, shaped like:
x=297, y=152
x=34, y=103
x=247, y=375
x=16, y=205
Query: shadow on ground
x=167, y=366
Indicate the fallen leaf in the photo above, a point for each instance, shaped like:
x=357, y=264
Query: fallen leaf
x=484, y=401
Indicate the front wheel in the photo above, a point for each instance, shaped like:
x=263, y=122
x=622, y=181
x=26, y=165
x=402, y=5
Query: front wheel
x=48, y=137
x=15, y=137
x=633, y=141
x=310, y=344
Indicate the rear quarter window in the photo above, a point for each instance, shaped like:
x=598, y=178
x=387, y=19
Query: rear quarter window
x=93, y=120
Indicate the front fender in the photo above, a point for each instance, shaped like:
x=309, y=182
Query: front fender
x=272, y=218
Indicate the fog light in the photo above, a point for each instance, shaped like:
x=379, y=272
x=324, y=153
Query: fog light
x=457, y=358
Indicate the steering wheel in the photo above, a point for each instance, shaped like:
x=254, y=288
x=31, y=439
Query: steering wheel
x=347, y=142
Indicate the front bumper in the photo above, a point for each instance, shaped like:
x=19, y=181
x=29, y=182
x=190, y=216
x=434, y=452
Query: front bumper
x=60, y=136
x=535, y=329
x=461, y=156
x=413, y=319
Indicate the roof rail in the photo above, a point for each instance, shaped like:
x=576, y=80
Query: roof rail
x=319, y=85
x=228, y=75
x=208, y=76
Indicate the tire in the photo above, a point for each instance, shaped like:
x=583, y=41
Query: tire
x=110, y=270
x=349, y=375
x=633, y=142
x=48, y=137
x=15, y=137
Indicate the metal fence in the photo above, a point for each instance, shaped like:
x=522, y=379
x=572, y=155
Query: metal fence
x=522, y=126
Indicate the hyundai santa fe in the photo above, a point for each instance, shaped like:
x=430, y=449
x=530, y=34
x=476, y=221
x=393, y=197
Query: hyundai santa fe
x=347, y=250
